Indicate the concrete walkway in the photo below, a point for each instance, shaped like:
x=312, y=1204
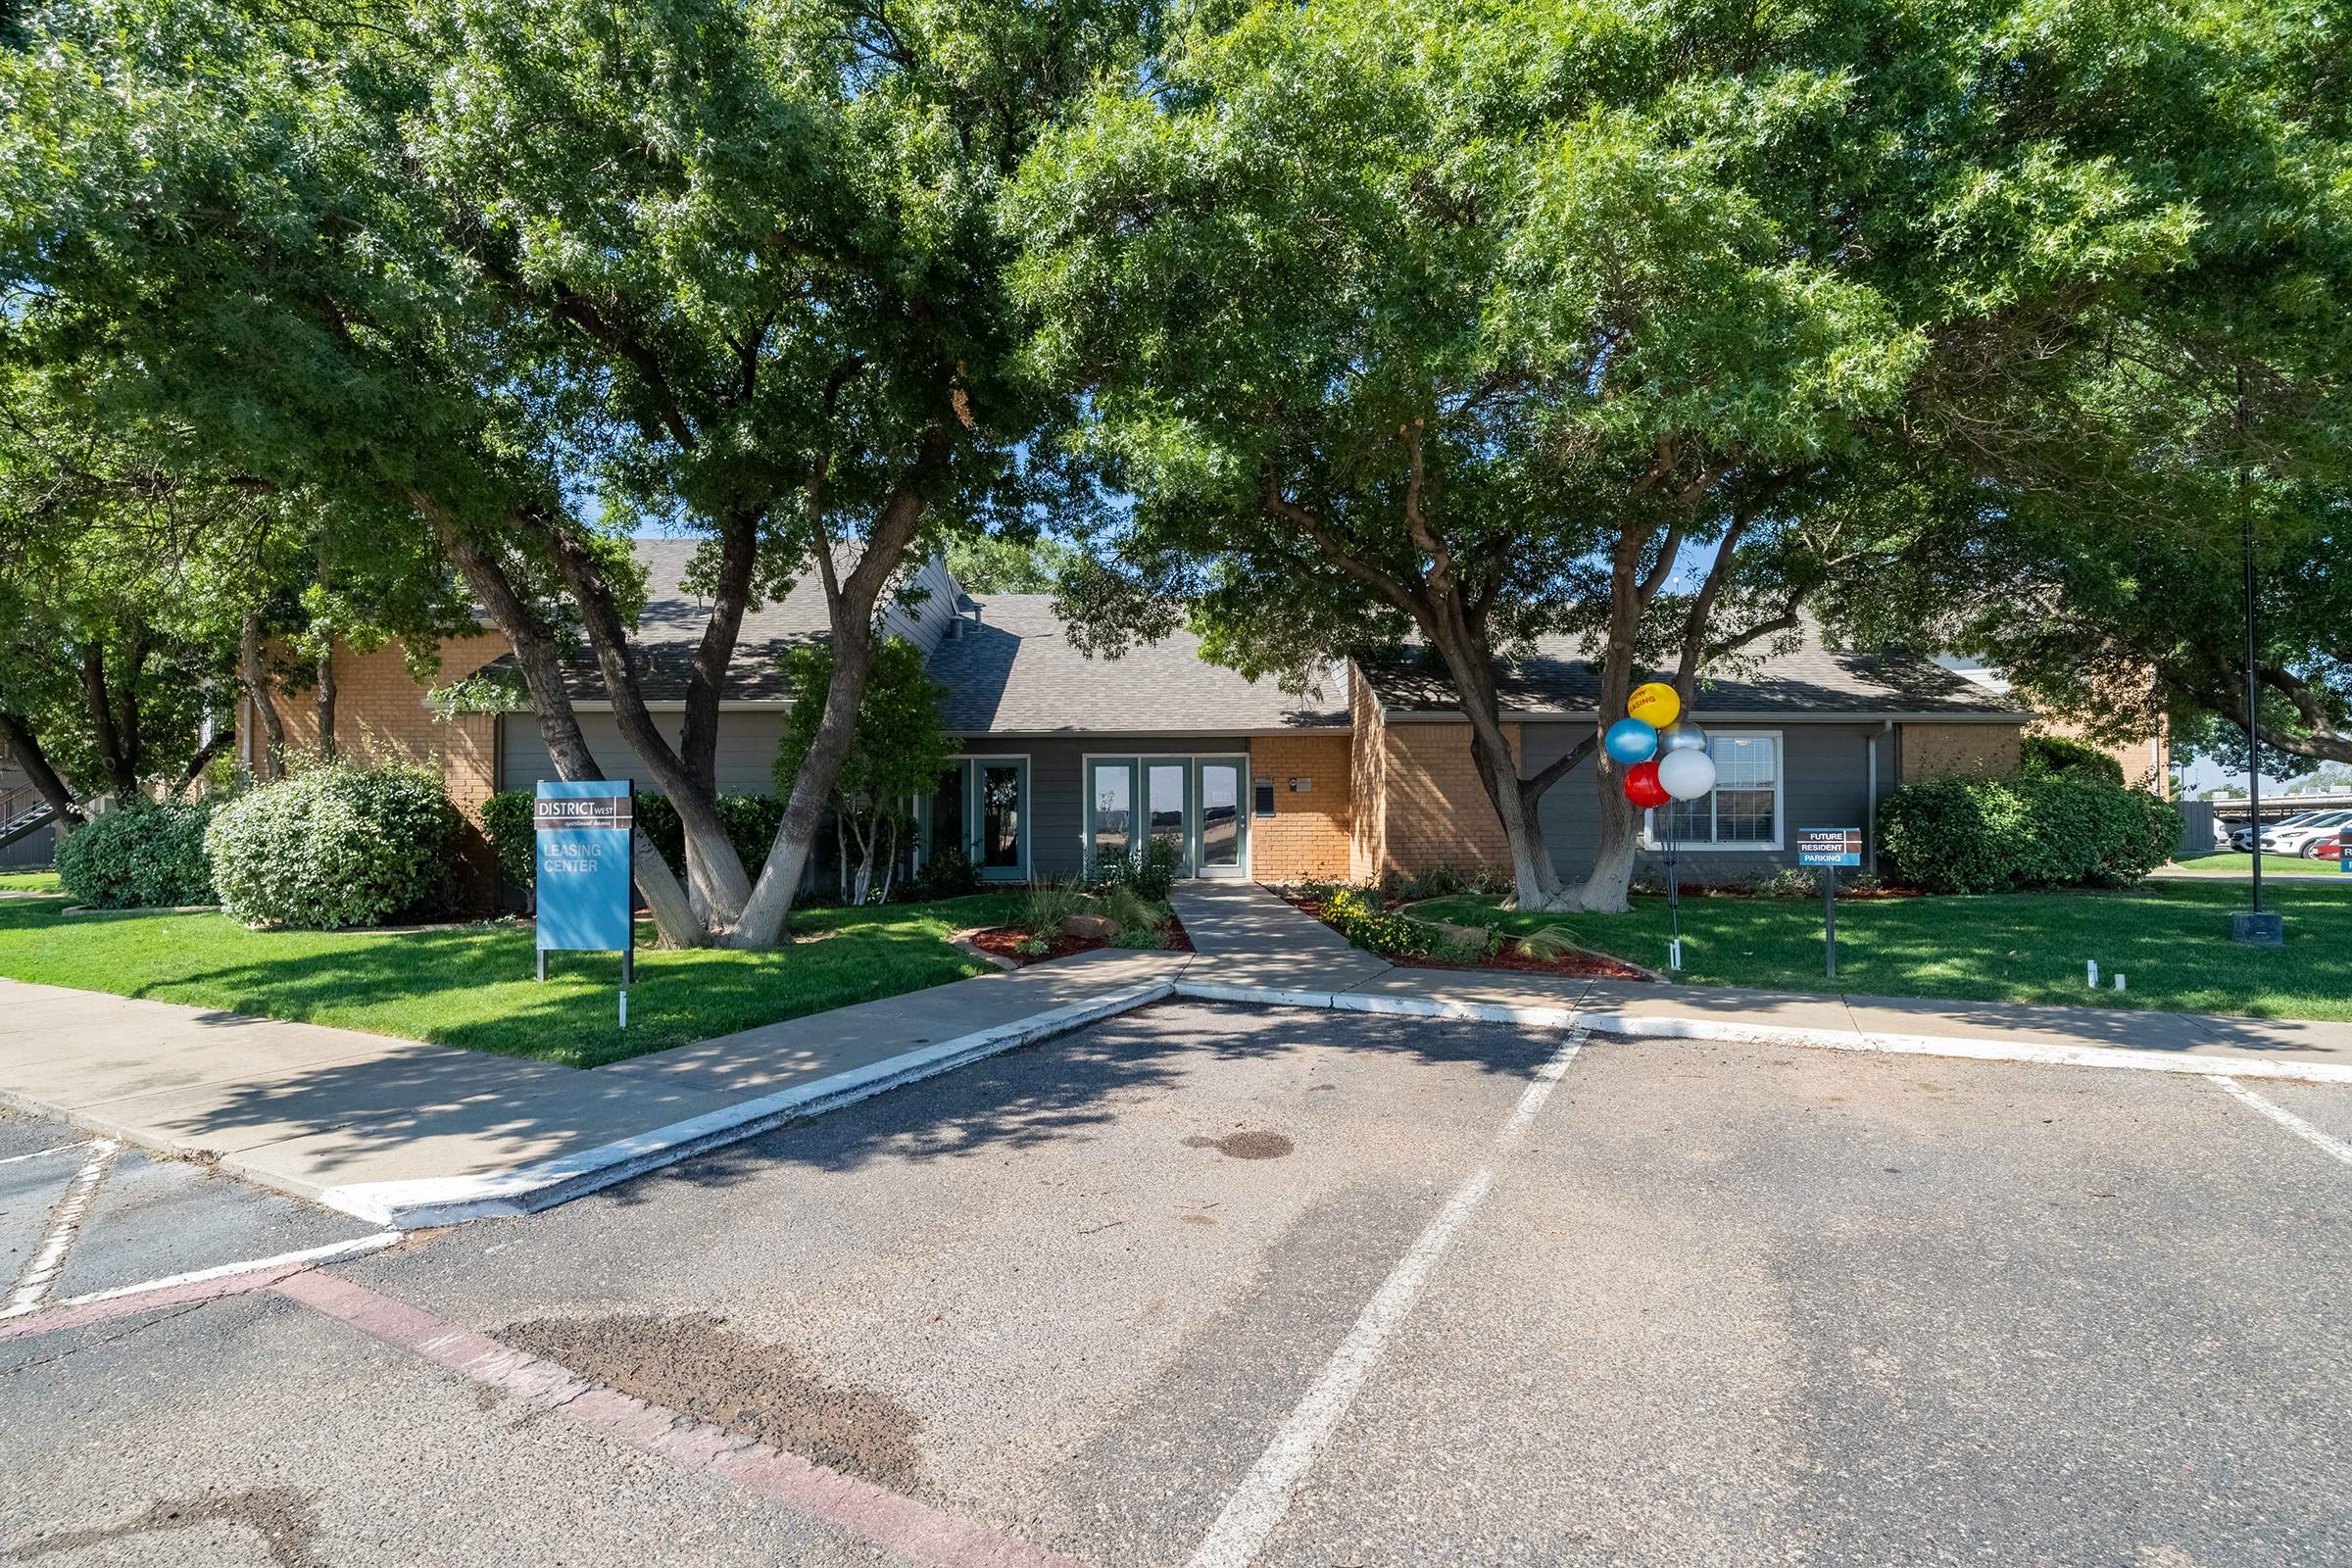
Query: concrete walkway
x=407, y=1134
x=1263, y=949
x=401, y=1132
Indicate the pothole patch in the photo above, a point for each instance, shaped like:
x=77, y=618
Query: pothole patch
x=771, y=1394
x=1249, y=1144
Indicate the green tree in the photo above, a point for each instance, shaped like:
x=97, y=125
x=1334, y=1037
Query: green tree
x=743, y=275
x=1000, y=564
x=1475, y=322
x=894, y=755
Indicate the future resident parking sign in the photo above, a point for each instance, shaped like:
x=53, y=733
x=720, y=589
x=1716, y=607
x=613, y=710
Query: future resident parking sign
x=585, y=835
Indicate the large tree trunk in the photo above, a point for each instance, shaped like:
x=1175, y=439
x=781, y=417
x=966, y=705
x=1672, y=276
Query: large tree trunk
x=256, y=677
x=114, y=759
x=559, y=723
x=25, y=748
x=326, y=700
x=850, y=603
x=714, y=872
x=1603, y=890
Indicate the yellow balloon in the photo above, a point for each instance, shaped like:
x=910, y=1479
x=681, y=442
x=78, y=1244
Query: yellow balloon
x=1654, y=703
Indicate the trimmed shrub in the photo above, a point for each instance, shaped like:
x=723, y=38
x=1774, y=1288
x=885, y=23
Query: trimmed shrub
x=1967, y=835
x=1151, y=873
x=948, y=873
x=751, y=821
x=334, y=846
x=2058, y=757
x=139, y=857
x=507, y=824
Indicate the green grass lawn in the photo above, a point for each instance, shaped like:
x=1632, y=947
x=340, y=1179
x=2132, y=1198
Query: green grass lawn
x=2171, y=939
x=2272, y=865
x=29, y=882
x=472, y=985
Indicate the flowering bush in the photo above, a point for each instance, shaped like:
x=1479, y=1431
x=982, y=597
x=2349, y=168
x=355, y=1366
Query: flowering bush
x=1359, y=916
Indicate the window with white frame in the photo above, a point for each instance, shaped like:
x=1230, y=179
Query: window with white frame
x=1744, y=810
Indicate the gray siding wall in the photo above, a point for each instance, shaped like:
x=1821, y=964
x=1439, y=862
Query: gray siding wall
x=1058, y=784
x=34, y=849
x=1824, y=774
x=747, y=750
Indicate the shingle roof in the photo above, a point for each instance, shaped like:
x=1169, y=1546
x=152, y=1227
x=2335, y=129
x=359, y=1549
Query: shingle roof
x=1811, y=678
x=1015, y=673
x=670, y=628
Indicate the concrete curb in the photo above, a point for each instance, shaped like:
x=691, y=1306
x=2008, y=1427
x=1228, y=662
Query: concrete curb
x=1642, y=1026
x=447, y=1201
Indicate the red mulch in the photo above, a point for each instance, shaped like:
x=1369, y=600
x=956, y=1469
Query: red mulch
x=1005, y=941
x=1591, y=966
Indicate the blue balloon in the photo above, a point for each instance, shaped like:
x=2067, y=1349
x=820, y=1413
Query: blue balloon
x=1628, y=740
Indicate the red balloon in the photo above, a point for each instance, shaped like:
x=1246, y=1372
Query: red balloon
x=1641, y=786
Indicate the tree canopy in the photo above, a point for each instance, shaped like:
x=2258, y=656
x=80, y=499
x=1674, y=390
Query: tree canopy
x=1477, y=323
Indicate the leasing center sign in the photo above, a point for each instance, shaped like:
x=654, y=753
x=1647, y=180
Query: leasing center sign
x=585, y=834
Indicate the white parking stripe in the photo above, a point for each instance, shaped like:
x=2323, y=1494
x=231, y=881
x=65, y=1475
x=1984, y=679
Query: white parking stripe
x=311, y=1255
x=2324, y=1142
x=49, y=1258
x=43, y=1153
x=1548, y=1078
x=1257, y=1507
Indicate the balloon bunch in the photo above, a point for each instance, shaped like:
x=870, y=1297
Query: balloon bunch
x=1668, y=760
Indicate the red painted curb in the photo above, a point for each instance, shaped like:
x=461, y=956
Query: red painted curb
x=58, y=1318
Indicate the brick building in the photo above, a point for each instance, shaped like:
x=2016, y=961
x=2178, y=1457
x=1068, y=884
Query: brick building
x=1064, y=758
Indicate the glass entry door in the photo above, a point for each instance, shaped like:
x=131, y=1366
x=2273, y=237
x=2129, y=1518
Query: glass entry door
x=1219, y=786
x=996, y=817
x=1109, y=811
x=1167, y=798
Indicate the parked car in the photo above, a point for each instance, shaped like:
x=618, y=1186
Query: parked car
x=2290, y=838
x=2327, y=848
x=2242, y=839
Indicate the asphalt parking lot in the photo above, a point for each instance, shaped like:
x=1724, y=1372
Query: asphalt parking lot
x=81, y=1216
x=1212, y=1286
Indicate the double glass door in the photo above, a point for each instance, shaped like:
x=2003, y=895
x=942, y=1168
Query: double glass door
x=1192, y=803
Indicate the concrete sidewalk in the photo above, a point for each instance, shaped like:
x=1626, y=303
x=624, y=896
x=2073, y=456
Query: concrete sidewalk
x=1265, y=949
x=402, y=1133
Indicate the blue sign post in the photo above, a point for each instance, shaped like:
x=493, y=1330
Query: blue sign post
x=1829, y=848
x=586, y=838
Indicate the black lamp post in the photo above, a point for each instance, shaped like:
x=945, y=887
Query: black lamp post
x=2256, y=926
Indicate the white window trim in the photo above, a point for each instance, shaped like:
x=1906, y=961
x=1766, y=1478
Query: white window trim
x=1650, y=839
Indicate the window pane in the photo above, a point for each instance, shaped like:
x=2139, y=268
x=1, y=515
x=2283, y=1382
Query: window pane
x=1166, y=781
x=1114, y=811
x=1220, y=814
x=1001, y=816
x=947, y=813
x=1688, y=820
x=1740, y=809
x=1744, y=816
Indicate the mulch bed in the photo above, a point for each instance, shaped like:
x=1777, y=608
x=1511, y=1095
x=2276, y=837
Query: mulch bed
x=1587, y=965
x=1583, y=965
x=1005, y=941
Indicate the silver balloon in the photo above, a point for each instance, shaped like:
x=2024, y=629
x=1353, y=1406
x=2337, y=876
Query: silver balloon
x=1681, y=736
x=1687, y=774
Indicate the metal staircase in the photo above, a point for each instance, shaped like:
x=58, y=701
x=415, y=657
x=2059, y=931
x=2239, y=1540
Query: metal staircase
x=23, y=811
